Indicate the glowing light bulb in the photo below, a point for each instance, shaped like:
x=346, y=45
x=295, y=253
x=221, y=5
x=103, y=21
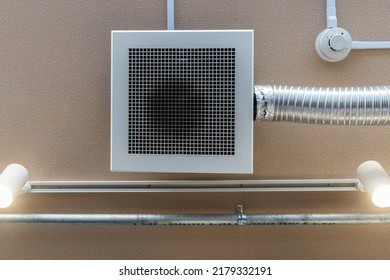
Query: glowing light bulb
x=375, y=182
x=381, y=196
x=6, y=197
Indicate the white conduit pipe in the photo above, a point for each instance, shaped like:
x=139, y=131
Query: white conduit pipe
x=331, y=19
x=324, y=105
x=204, y=219
x=171, y=14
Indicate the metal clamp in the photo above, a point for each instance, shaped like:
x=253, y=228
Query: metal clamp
x=241, y=217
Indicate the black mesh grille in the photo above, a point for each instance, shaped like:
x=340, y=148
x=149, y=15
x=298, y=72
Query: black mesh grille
x=182, y=101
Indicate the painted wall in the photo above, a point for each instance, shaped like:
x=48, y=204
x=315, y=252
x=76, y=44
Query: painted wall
x=55, y=112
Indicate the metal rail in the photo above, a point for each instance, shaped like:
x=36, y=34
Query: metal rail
x=205, y=219
x=194, y=186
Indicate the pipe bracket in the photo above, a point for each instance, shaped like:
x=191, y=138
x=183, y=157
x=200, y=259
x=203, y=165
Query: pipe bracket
x=241, y=217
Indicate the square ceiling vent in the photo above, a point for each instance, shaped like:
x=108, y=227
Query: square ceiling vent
x=182, y=101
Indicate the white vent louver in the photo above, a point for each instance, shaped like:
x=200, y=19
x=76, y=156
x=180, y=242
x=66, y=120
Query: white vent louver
x=182, y=101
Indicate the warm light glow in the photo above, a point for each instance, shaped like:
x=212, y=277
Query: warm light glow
x=375, y=182
x=381, y=196
x=6, y=197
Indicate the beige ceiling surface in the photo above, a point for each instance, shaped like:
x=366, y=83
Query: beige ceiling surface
x=55, y=112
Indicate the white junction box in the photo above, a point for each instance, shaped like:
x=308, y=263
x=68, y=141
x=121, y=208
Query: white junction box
x=182, y=101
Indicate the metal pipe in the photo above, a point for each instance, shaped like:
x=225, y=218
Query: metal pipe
x=331, y=19
x=171, y=14
x=203, y=219
x=370, y=45
x=313, y=185
x=324, y=105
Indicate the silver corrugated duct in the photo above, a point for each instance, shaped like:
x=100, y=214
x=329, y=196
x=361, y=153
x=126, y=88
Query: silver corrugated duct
x=324, y=105
x=204, y=219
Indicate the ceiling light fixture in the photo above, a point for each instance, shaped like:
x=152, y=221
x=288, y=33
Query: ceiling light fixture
x=375, y=182
x=13, y=181
x=372, y=179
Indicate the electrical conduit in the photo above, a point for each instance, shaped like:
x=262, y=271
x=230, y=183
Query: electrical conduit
x=193, y=219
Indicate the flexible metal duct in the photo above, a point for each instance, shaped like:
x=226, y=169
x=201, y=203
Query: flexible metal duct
x=324, y=105
x=204, y=219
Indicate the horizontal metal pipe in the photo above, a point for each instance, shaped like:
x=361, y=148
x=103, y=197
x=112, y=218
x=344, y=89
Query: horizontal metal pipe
x=194, y=186
x=370, y=45
x=203, y=219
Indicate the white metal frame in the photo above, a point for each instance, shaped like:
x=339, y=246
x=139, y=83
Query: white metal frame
x=242, y=160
